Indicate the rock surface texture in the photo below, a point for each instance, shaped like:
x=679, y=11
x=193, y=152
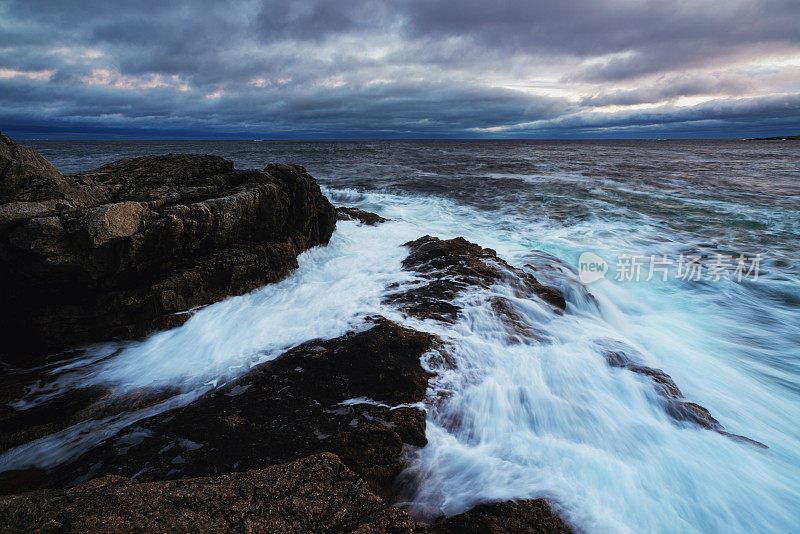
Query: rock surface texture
x=449, y=267
x=315, y=494
x=531, y=516
x=124, y=249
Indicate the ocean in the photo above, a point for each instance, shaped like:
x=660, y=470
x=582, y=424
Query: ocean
x=684, y=252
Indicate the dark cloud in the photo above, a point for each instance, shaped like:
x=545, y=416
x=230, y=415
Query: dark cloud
x=407, y=68
x=651, y=35
x=383, y=109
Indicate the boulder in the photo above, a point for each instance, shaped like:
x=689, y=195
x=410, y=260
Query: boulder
x=122, y=250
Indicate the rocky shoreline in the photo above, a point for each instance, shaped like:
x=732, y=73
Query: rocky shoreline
x=315, y=494
x=312, y=441
x=128, y=248
x=315, y=440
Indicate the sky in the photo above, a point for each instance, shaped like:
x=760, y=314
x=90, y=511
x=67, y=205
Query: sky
x=349, y=69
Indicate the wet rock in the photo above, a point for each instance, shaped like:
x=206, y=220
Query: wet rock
x=122, y=250
x=340, y=395
x=515, y=324
x=315, y=494
x=675, y=404
x=20, y=426
x=449, y=267
x=511, y=517
x=344, y=213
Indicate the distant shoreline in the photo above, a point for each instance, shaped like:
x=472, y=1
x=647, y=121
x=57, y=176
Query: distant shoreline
x=373, y=140
x=779, y=138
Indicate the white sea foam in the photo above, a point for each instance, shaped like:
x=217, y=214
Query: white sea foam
x=542, y=418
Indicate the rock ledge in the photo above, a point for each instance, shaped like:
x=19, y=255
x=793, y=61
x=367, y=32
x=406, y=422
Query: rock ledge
x=120, y=251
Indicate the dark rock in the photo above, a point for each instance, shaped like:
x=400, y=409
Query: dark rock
x=315, y=494
x=280, y=411
x=511, y=517
x=682, y=410
x=121, y=250
x=449, y=267
x=674, y=401
x=344, y=213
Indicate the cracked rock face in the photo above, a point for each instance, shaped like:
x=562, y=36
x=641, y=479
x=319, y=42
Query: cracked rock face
x=119, y=251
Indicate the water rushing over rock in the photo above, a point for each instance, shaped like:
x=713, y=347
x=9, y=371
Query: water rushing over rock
x=523, y=399
x=360, y=395
x=127, y=248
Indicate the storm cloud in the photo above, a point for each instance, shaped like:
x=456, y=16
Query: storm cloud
x=410, y=68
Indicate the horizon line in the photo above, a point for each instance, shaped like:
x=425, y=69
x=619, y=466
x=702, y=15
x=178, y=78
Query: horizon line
x=332, y=139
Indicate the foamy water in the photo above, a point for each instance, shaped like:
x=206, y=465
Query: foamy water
x=546, y=417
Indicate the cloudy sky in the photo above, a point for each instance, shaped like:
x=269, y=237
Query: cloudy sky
x=399, y=69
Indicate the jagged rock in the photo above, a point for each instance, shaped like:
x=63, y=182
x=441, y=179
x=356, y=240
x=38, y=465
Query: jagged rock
x=449, y=267
x=31, y=187
x=315, y=494
x=675, y=404
x=344, y=213
x=120, y=250
x=280, y=411
x=506, y=517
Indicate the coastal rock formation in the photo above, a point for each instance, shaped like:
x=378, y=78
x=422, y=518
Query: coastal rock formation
x=533, y=516
x=347, y=395
x=315, y=494
x=313, y=440
x=675, y=404
x=344, y=213
x=449, y=267
x=124, y=249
